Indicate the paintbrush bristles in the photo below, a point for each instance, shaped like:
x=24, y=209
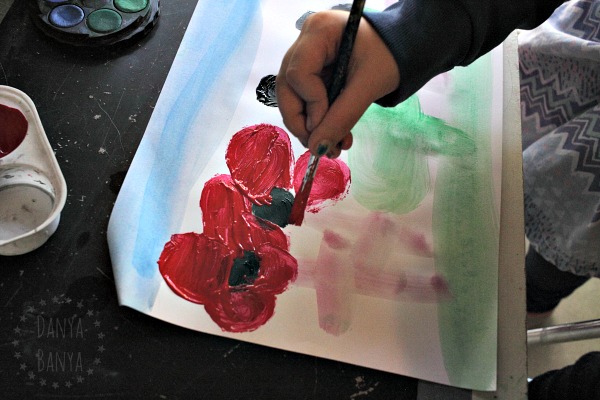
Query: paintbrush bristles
x=301, y=199
x=299, y=206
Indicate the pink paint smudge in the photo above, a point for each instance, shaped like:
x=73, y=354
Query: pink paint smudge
x=333, y=284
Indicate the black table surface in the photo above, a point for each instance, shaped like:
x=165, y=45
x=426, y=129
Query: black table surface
x=63, y=332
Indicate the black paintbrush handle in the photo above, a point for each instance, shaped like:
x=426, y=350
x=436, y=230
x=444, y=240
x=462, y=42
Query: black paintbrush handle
x=340, y=69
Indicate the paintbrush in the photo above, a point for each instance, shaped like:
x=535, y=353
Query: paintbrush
x=338, y=79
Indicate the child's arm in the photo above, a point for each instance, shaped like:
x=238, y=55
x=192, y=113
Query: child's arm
x=396, y=52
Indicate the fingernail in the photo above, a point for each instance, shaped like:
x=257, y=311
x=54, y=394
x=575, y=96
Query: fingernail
x=323, y=148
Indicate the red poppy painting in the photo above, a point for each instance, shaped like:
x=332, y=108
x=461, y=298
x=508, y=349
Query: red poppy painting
x=240, y=262
x=395, y=264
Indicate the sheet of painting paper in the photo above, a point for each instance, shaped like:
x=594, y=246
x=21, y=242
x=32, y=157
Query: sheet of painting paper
x=395, y=265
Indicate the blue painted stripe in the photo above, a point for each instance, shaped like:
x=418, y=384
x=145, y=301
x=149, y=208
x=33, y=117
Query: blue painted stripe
x=228, y=25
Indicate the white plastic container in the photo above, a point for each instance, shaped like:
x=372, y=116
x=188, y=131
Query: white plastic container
x=33, y=190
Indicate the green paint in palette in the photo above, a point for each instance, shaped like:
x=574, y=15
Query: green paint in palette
x=104, y=20
x=131, y=6
x=95, y=22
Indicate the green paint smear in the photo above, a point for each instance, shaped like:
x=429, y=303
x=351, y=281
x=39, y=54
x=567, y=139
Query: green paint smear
x=390, y=173
x=389, y=155
x=465, y=229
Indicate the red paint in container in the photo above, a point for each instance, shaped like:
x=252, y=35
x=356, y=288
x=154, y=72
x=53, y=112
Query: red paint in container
x=32, y=188
x=13, y=128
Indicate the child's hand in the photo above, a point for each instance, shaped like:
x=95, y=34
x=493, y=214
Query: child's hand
x=304, y=74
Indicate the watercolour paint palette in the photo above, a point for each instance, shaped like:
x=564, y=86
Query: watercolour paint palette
x=95, y=22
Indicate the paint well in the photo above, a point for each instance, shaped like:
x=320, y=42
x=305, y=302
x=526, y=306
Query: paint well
x=104, y=20
x=131, y=6
x=66, y=16
x=22, y=209
x=13, y=128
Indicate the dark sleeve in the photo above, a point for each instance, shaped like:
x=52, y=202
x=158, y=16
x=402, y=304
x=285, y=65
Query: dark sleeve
x=428, y=37
x=575, y=382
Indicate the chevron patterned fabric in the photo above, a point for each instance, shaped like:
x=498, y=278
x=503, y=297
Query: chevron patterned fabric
x=560, y=112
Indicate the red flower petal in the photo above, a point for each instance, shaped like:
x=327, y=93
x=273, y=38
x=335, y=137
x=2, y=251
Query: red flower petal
x=331, y=182
x=260, y=158
x=222, y=205
x=240, y=310
x=261, y=232
x=278, y=269
x=195, y=266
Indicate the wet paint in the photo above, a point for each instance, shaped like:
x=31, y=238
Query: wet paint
x=194, y=266
x=278, y=212
x=260, y=158
x=238, y=293
x=330, y=184
x=227, y=217
x=297, y=212
x=303, y=191
x=240, y=262
x=390, y=151
x=244, y=270
x=222, y=206
x=13, y=129
x=240, y=311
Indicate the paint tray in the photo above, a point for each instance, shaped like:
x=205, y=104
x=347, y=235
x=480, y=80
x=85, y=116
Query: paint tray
x=33, y=190
x=95, y=22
